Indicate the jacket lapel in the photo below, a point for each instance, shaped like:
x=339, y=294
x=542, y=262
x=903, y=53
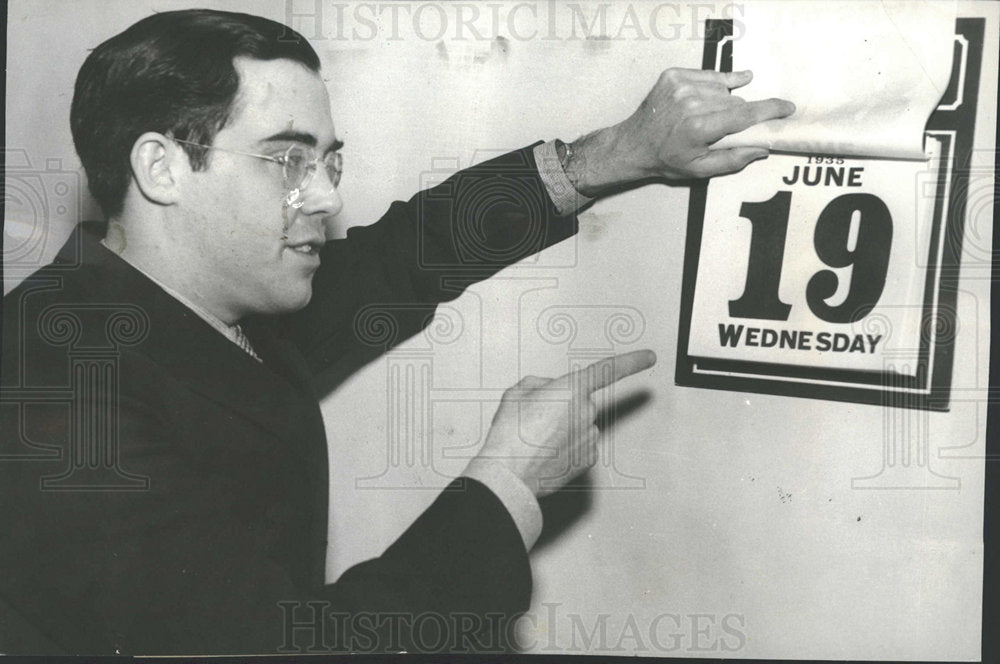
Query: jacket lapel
x=191, y=349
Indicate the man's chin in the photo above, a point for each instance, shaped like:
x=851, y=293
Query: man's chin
x=288, y=303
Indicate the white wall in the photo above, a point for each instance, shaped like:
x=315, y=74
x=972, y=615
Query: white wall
x=736, y=506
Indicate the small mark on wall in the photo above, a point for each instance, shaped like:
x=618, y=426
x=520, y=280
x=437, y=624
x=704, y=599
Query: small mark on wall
x=464, y=55
x=784, y=497
x=499, y=49
x=594, y=225
x=596, y=43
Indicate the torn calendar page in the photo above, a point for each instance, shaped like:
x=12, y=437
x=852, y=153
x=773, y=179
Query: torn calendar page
x=864, y=76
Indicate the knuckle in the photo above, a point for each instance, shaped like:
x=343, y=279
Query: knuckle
x=513, y=393
x=530, y=382
x=669, y=75
x=681, y=91
x=690, y=104
x=694, y=125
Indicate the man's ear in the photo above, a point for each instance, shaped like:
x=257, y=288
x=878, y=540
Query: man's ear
x=157, y=164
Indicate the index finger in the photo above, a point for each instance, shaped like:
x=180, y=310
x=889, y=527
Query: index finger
x=734, y=120
x=602, y=373
x=730, y=79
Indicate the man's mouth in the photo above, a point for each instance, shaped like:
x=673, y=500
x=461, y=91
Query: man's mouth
x=307, y=248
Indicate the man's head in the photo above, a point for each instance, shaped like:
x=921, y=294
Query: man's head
x=173, y=73
x=219, y=225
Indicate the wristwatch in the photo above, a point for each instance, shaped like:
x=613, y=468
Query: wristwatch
x=564, y=151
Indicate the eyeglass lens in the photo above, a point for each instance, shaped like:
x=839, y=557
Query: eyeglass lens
x=301, y=163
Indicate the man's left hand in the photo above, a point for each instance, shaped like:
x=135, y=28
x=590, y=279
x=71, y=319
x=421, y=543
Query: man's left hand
x=671, y=133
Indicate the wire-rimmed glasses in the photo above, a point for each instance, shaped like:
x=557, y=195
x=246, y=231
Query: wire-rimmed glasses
x=298, y=163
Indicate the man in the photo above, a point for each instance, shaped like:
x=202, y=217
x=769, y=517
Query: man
x=164, y=485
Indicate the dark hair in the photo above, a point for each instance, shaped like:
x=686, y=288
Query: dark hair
x=173, y=73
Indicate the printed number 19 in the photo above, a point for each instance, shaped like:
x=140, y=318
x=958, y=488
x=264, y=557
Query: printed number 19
x=869, y=257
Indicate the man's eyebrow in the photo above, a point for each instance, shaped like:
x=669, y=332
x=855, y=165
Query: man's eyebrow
x=300, y=137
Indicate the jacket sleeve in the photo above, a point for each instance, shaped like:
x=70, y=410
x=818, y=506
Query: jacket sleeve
x=381, y=284
x=198, y=561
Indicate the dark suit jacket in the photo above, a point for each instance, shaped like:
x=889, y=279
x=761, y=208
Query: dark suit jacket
x=162, y=492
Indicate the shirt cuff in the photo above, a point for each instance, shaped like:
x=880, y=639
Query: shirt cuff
x=562, y=192
x=513, y=493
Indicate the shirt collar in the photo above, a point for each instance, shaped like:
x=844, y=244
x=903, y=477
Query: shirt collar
x=232, y=332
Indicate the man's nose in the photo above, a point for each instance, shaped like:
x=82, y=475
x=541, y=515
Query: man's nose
x=321, y=196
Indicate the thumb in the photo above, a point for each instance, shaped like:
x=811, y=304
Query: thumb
x=730, y=160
